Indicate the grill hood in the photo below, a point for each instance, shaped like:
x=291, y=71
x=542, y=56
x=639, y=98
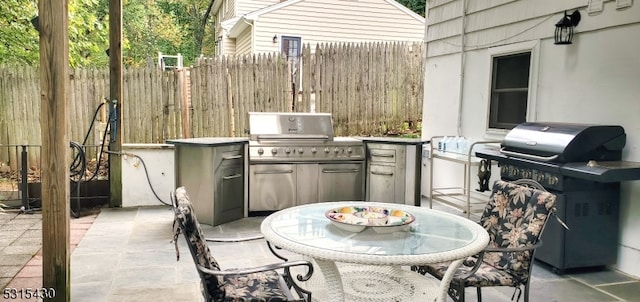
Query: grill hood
x=564, y=142
x=290, y=126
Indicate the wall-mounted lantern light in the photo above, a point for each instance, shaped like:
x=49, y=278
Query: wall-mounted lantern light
x=275, y=39
x=564, y=28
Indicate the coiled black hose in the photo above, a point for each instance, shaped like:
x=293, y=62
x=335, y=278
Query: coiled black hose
x=78, y=168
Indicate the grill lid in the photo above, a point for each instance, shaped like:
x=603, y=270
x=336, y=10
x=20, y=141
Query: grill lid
x=290, y=126
x=564, y=142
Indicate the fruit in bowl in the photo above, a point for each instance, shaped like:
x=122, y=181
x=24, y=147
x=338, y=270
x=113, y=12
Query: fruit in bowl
x=380, y=219
x=373, y=218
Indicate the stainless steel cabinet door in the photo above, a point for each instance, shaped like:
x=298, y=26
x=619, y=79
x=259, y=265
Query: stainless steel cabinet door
x=307, y=183
x=341, y=181
x=272, y=187
x=229, y=201
x=381, y=183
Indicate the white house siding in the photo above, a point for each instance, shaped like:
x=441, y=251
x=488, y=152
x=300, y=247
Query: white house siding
x=336, y=21
x=594, y=80
x=243, y=42
x=226, y=11
x=247, y=6
x=229, y=45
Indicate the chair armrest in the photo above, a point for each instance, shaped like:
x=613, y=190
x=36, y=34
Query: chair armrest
x=241, y=239
x=264, y=268
x=480, y=258
x=513, y=249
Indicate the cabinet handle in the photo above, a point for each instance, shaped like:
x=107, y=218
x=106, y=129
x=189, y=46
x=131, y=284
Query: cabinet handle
x=381, y=154
x=274, y=172
x=340, y=171
x=231, y=176
x=382, y=173
x=231, y=157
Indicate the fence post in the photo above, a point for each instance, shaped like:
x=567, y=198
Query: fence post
x=232, y=126
x=23, y=183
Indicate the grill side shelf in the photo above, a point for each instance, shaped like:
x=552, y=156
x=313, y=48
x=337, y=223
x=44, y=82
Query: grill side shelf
x=605, y=171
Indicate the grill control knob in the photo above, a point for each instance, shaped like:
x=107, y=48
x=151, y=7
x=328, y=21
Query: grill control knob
x=553, y=180
x=336, y=150
x=326, y=150
x=513, y=171
x=314, y=150
x=287, y=150
x=274, y=151
x=539, y=177
x=504, y=170
x=526, y=174
x=260, y=151
x=300, y=150
x=349, y=150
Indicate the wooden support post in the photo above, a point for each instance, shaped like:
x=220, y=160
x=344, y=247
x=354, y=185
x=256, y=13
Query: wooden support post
x=115, y=91
x=55, y=125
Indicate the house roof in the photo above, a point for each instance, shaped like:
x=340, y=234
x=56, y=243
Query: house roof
x=235, y=26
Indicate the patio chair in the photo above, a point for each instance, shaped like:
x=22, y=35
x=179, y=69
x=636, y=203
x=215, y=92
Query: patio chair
x=257, y=284
x=514, y=218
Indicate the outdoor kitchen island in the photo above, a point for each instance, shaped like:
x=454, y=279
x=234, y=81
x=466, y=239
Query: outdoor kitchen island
x=394, y=169
x=291, y=159
x=213, y=169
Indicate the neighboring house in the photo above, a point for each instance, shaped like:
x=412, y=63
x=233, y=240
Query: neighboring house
x=595, y=80
x=265, y=26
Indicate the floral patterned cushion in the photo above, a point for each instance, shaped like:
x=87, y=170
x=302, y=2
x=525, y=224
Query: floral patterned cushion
x=514, y=217
x=486, y=275
x=257, y=287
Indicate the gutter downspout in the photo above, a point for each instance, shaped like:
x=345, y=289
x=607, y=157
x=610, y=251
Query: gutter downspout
x=253, y=34
x=462, y=57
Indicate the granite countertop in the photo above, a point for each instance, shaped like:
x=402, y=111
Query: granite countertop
x=209, y=141
x=393, y=140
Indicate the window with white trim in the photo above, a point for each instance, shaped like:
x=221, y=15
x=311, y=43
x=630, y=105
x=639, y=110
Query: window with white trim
x=509, y=90
x=513, y=85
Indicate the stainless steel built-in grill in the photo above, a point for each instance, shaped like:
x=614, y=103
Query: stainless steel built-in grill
x=295, y=159
x=581, y=165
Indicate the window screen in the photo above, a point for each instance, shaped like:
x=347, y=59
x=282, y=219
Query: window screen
x=509, y=90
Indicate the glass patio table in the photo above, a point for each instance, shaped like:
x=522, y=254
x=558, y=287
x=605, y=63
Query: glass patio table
x=433, y=237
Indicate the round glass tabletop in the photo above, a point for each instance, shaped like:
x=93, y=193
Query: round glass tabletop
x=306, y=229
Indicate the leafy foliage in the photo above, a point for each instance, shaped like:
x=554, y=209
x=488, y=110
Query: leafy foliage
x=19, y=43
x=149, y=27
x=88, y=32
x=418, y=6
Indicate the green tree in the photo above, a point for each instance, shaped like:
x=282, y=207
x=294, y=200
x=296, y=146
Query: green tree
x=147, y=31
x=88, y=32
x=149, y=27
x=88, y=35
x=418, y=6
x=18, y=37
x=194, y=18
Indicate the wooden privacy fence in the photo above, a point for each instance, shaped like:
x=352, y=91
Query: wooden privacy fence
x=368, y=88
x=151, y=112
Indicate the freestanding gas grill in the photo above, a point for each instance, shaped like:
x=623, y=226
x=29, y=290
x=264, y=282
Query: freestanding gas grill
x=295, y=159
x=581, y=165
